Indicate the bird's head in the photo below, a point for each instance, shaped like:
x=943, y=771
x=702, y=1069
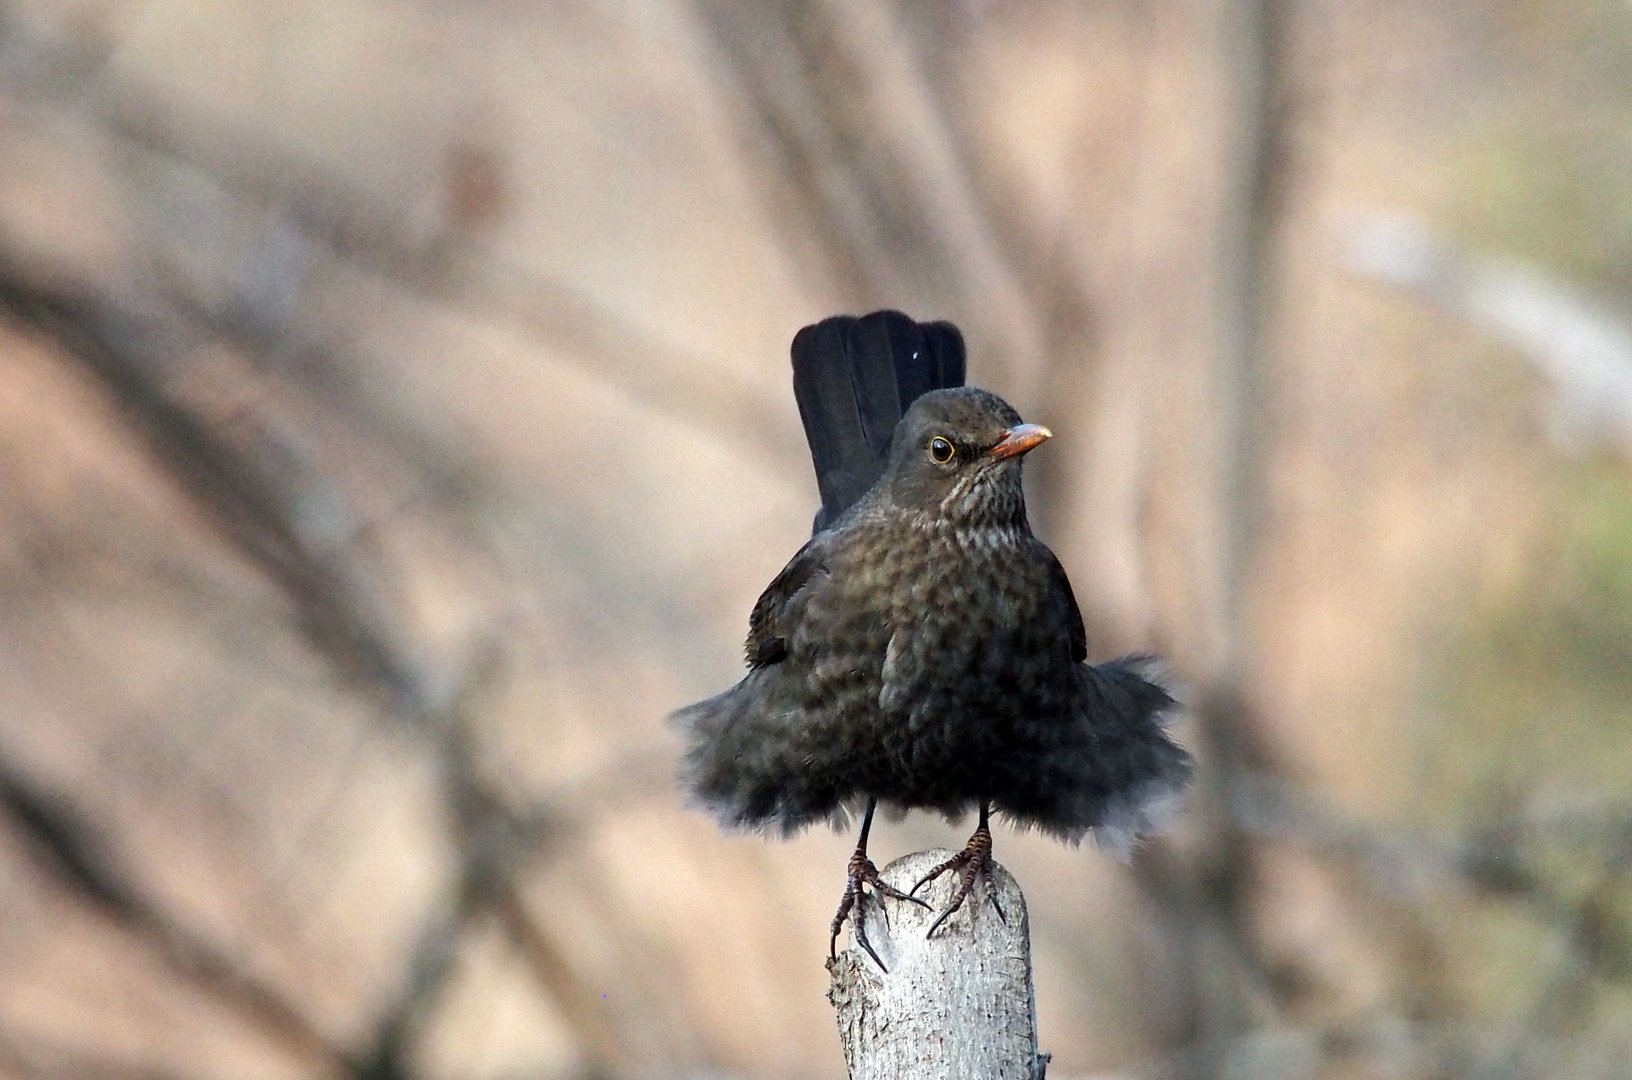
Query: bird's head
x=955, y=456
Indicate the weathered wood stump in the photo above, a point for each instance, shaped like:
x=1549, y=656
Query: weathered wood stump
x=958, y=1006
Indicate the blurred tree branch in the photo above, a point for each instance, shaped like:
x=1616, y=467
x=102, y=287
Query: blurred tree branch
x=257, y=509
x=72, y=850
x=869, y=175
x=851, y=122
x=852, y=132
x=34, y=1059
x=1209, y=897
x=439, y=260
x=272, y=500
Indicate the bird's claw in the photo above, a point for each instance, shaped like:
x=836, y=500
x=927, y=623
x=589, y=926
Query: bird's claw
x=976, y=862
x=862, y=873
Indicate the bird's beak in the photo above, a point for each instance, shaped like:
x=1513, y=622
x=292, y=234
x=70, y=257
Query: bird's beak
x=1020, y=438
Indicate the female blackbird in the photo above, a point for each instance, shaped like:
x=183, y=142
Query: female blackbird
x=924, y=650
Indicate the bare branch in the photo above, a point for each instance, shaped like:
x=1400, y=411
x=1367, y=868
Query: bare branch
x=71, y=850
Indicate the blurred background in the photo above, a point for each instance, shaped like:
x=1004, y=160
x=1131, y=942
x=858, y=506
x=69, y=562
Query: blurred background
x=395, y=424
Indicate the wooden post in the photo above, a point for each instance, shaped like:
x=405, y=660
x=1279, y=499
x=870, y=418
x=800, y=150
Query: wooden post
x=958, y=1006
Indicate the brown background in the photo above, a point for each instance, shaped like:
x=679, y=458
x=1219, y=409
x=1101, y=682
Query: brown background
x=395, y=425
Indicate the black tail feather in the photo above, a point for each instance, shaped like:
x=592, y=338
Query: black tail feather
x=853, y=379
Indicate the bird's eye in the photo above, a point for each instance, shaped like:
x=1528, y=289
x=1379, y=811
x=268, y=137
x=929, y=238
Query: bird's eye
x=940, y=450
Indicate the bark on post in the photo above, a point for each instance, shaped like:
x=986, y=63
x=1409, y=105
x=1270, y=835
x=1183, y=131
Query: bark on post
x=958, y=1006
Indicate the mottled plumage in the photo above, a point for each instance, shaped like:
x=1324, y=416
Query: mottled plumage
x=924, y=649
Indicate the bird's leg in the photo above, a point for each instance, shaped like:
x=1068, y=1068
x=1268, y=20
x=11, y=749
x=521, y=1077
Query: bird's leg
x=862, y=873
x=976, y=862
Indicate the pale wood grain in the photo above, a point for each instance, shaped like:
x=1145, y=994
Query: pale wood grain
x=958, y=1006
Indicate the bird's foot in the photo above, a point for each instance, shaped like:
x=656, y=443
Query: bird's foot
x=862, y=873
x=975, y=860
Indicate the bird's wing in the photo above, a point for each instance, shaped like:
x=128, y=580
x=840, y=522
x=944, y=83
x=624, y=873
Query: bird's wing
x=1079, y=633
x=853, y=379
x=766, y=642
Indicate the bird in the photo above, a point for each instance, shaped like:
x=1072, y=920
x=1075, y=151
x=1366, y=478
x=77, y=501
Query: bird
x=924, y=650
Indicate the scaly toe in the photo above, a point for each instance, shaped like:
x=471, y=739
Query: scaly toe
x=976, y=861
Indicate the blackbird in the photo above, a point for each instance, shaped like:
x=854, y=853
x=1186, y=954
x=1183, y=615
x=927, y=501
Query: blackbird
x=924, y=649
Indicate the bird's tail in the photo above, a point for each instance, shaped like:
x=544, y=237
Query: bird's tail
x=853, y=379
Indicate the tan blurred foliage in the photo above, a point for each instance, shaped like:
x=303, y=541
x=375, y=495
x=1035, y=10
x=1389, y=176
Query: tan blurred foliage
x=395, y=424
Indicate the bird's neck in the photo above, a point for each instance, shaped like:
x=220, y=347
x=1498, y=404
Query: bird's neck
x=995, y=519
x=985, y=502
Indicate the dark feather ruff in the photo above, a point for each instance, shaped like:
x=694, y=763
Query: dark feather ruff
x=924, y=649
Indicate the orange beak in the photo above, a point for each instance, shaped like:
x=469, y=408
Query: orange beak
x=1020, y=438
